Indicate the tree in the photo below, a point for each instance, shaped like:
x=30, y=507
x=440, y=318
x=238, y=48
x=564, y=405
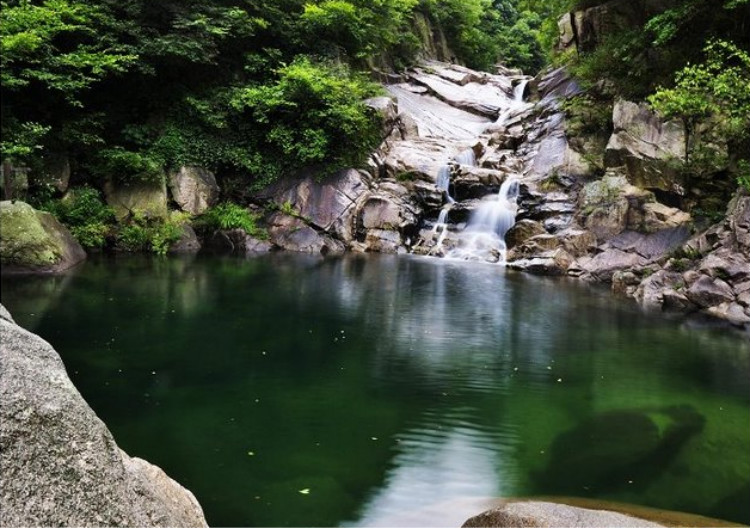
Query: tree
x=718, y=88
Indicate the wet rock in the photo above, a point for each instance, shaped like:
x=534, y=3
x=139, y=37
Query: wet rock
x=535, y=514
x=147, y=199
x=188, y=242
x=554, y=262
x=644, y=145
x=237, y=241
x=383, y=241
x=194, y=189
x=706, y=292
x=605, y=264
x=730, y=311
x=651, y=291
x=676, y=301
x=624, y=282
x=293, y=234
x=555, y=83
x=59, y=465
x=522, y=230
x=34, y=241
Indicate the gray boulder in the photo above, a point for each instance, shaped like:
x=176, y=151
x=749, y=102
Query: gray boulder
x=237, y=241
x=188, y=242
x=645, y=145
x=194, y=189
x=328, y=204
x=706, y=292
x=143, y=198
x=605, y=264
x=33, y=241
x=59, y=465
x=293, y=234
x=537, y=514
x=387, y=110
x=523, y=230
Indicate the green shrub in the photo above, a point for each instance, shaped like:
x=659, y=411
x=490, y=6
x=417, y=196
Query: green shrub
x=151, y=235
x=82, y=210
x=228, y=215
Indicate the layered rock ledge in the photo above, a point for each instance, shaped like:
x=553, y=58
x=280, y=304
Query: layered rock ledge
x=59, y=464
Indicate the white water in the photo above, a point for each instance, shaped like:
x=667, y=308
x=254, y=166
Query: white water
x=516, y=105
x=484, y=237
x=466, y=157
x=442, y=182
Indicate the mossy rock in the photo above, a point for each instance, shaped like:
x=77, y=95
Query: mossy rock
x=33, y=241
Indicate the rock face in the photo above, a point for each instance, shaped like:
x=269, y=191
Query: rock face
x=147, y=199
x=59, y=465
x=539, y=514
x=194, y=189
x=588, y=27
x=33, y=241
x=644, y=145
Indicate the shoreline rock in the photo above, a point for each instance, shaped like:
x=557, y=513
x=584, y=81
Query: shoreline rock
x=59, y=464
x=565, y=512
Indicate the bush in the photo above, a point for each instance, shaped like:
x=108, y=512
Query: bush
x=82, y=210
x=151, y=235
x=229, y=216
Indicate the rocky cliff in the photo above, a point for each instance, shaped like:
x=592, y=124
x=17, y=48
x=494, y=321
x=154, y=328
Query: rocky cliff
x=59, y=465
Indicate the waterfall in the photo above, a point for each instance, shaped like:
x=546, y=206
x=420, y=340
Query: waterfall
x=484, y=237
x=466, y=157
x=443, y=181
x=519, y=90
x=516, y=104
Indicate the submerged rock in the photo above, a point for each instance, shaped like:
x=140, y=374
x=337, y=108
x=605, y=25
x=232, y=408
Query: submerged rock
x=59, y=464
x=34, y=241
x=618, y=449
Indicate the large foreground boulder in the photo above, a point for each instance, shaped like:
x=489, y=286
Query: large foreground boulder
x=33, y=241
x=59, y=465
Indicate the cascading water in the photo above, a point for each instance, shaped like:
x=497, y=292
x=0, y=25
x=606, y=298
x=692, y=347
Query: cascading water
x=484, y=237
x=516, y=104
x=442, y=182
x=466, y=157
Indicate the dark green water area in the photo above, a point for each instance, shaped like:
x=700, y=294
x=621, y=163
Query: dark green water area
x=293, y=390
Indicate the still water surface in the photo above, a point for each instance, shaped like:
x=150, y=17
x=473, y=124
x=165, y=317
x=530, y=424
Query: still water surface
x=294, y=390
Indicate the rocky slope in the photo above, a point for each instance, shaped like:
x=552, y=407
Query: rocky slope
x=455, y=134
x=59, y=465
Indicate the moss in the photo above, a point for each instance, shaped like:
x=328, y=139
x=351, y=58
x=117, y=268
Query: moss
x=26, y=237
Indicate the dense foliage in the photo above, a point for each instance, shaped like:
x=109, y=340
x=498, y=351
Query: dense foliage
x=252, y=89
x=691, y=61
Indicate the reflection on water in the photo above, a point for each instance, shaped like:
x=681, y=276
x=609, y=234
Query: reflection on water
x=395, y=389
